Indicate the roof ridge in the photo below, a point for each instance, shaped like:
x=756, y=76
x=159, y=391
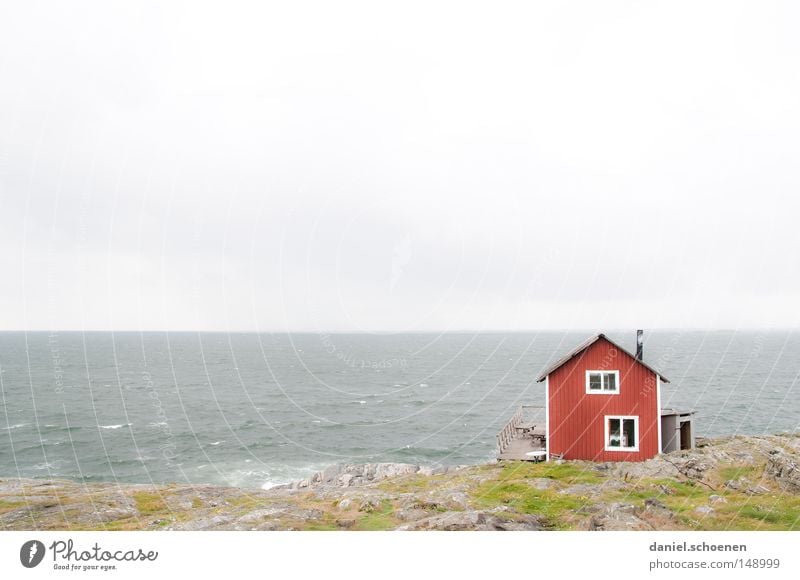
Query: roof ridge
x=586, y=344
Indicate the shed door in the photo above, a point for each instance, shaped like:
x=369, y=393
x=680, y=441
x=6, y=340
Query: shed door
x=686, y=434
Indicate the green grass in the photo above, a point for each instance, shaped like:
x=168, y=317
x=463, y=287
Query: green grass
x=149, y=503
x=739, y=511
x=511, y=488
x=410, y=484
x=679, y=489
x=743, y=512
x=9, y=506
x=751, y=472
x=680, y=497
x=321, y=527
x=379, y=519
x=568, y=473
x=551, y=506
x=123, y=525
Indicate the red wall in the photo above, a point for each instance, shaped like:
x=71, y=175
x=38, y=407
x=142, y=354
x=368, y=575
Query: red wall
x=577, y=426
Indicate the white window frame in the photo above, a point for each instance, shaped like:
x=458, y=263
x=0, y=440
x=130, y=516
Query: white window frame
x=603, y=391
x=621, y=418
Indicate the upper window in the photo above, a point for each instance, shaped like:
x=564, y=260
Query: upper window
x=622, y=433
x=602, y=382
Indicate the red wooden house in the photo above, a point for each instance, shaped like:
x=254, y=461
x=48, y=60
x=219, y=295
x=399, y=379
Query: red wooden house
x=602, y=404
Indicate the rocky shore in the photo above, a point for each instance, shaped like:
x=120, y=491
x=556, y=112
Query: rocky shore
x=734, y=483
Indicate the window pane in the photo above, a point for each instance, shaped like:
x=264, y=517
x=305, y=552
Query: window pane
x=628, y=433
x=613, y=432
x=595, y=380
x=611, y=382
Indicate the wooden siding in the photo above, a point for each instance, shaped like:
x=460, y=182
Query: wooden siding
x=577, y=419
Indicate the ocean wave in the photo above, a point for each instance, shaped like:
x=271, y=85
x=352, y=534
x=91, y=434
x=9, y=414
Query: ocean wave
x=416, y=403
x=127, y=461
x=50, y=428
x=119, y=426
x=43, y=466
x=17, y=426
x=37, y=446
x=260, y=444
x=262, y=475
x=423, y=454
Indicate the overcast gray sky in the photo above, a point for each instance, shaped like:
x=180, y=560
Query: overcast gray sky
x=411, y=166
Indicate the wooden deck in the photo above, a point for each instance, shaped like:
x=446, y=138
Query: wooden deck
x=524, y=433
x=517, y=449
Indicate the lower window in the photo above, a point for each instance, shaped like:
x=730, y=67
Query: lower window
x=622, y=433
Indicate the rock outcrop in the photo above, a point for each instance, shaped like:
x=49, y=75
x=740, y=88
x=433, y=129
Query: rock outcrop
x=728, y=483
x=783, y=468
x=352, y=475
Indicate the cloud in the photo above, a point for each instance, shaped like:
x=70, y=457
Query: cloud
x=435, y=166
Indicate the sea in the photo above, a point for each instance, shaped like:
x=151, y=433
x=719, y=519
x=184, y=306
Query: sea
x=256, y=410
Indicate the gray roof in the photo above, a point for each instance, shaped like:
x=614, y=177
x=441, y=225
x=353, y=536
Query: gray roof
x=586, y=344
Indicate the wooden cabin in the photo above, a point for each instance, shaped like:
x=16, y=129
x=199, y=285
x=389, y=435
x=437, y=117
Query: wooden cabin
x=602, y=403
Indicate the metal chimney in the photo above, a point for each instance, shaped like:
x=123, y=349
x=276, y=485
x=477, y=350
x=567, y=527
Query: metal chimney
x=639, y=344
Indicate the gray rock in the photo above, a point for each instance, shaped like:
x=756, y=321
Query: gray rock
x=209, y=523
x=694, y=468
x=368, y=505
x=411, y=514
x=618, y=517
x=350, y=475
x=474, y=520
x=738, y=484
x=654, y=503
x=656, y=513
x=428, y=470
x=658, y=467
x=745, y=485
x=757, y=490
x=327, y=475
x=581, y=489
x=783, y=468
x=259, y=516
x=541, y=483
x=458, y=500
